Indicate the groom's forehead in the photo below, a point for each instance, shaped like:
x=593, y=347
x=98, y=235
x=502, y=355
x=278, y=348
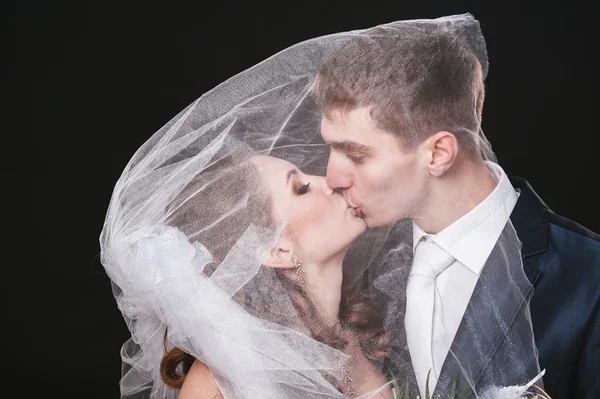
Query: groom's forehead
x=358, y=142
x=345, y=139
x=352, y=131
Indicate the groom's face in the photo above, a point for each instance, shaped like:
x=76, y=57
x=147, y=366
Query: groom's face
x=369, y=165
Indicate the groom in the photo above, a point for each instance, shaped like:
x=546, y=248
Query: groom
x=402, y=116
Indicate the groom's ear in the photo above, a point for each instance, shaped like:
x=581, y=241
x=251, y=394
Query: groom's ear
x=442, y=150
x=280, y=255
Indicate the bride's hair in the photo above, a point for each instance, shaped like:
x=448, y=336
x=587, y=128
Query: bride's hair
x=212, y=194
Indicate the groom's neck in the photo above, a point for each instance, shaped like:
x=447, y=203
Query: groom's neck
x=455, y=194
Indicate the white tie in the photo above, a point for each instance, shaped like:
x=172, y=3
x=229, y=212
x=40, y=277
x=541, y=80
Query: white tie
x=429, y=261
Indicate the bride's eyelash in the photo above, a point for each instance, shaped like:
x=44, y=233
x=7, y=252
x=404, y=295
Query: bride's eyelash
x=302, y=189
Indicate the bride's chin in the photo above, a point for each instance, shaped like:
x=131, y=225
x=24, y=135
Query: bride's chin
x=358, y=221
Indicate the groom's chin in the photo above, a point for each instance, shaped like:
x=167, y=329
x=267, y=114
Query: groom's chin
x=373, y=224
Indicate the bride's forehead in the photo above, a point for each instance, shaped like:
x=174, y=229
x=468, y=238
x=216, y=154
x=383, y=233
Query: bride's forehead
x=272, y=164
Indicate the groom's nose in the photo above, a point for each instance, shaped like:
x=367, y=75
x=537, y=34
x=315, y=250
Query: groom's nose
x=321, y=183
x=337, y=177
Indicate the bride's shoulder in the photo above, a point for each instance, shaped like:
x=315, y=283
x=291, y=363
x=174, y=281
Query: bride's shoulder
x=199, y=383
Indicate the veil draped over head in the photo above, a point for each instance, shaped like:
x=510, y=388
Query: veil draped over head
x=189, y=218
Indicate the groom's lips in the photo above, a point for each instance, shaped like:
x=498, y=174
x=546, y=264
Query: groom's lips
x=358, y=212
x=357, y=209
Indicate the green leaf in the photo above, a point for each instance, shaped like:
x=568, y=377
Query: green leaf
x=396, y=386
x=464, y=395
x=454, y=389
x=427, y=386
x=406, y=389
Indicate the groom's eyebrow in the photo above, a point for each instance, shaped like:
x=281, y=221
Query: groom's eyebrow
x=349, y=146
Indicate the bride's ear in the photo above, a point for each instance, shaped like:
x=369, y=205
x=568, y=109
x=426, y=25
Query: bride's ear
x=280, y=255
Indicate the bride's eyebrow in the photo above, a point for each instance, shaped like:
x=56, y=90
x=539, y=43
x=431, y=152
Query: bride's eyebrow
x=289, y=174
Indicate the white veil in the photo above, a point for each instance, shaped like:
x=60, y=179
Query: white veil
x=183, y=229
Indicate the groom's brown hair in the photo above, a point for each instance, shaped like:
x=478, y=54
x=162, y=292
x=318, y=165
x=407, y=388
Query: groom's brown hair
x=418, y=79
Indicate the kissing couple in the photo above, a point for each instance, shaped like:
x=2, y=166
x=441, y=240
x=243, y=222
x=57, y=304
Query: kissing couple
x=333, y=223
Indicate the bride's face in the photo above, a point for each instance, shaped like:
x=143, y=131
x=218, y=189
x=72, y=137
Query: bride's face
x=319, y=221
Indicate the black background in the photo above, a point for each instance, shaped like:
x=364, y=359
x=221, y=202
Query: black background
x=86, y=83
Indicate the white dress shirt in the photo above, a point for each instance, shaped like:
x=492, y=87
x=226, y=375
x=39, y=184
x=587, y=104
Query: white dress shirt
x=470, y=241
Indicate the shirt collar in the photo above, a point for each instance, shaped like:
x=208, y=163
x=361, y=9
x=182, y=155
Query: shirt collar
x=471, y=238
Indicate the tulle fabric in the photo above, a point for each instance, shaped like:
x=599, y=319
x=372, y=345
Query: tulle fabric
x=162, y=270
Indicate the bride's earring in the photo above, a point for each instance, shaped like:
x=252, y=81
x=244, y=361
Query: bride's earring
x=299, y=270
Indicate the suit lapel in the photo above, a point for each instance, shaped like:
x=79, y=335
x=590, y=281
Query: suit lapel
x=489, y=316
x=531, y=221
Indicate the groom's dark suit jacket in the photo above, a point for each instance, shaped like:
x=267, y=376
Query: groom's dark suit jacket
x=561, y=282
x=562, y=261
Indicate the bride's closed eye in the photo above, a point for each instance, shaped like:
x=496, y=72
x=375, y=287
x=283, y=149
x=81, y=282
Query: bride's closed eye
x=302, y=189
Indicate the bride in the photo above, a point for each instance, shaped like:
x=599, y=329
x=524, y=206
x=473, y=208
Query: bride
x=237, y=261
x=306, y=259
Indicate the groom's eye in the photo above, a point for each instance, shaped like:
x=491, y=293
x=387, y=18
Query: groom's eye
x=356, y=159
x=302, y=189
